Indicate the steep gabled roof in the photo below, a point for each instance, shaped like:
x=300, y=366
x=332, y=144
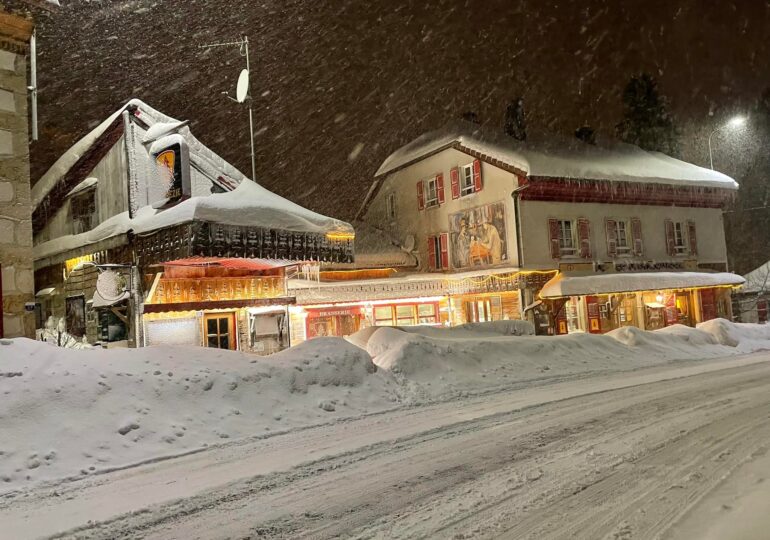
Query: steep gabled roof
x=553, y=156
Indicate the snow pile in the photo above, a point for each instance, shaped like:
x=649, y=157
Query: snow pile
x=66, y=412
x=432, y=363
x=744, y=337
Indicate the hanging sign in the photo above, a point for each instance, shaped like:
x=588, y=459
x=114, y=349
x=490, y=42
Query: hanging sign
x=172, y=162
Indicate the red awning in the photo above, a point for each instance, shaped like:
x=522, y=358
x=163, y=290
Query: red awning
x=231, y=263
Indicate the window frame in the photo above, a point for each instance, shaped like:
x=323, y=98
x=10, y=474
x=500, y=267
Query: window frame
x=564, y=251
x=470, y=188
x=626, y=248
x=87, y=221
x=680, y=228
x=427, y=183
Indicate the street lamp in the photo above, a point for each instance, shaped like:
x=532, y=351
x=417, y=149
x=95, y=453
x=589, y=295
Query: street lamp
x=734, y=122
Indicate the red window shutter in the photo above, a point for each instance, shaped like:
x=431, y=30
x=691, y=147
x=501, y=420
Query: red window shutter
x=636, y=236
x=553, y=234
x=693, y=239
x=440, y=187
x=454, y=176
x=477, y=175
x=420, y=196
x=762, y=311
x=670, y=242
x=432, y=252
x=584, y=237
x=612, y=237
x=444, y=241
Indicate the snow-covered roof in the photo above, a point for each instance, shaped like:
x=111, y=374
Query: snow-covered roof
x=249, y=204
x=553, y=156
x=758, y=280
x=576, y=284
x=158, y=124
x=84, y=185
x=244, y=203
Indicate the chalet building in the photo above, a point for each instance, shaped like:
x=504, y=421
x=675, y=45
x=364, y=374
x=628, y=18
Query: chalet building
x=143, y=236
x=573, y=236
x=16, y=269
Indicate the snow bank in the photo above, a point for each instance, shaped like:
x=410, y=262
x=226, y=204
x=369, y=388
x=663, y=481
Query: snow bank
x=77, y=412
x=68, y=412
x=432, y=363
x=744, y=337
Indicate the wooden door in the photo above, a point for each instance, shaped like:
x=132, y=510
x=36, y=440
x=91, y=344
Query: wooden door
x=219, y=331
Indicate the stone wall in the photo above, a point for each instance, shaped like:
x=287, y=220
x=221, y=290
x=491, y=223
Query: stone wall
x=15, y=205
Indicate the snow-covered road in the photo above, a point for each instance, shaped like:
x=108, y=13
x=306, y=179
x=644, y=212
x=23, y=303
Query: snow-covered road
x=623, y=455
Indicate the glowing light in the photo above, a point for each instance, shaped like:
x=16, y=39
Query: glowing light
x=340, y=236
x=737, y=121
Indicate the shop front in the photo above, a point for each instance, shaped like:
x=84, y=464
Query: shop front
x=593, y=303
x=334, y=321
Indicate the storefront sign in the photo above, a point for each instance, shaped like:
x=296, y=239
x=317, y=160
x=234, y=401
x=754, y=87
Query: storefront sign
x=335, y=312
x=641, y=266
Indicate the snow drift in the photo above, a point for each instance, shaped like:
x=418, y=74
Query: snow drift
x=68, y=413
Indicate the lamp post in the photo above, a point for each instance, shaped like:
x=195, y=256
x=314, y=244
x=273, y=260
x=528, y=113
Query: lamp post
x=734, y=122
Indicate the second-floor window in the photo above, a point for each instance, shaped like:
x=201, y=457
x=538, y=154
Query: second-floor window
x=567, y=242
x=680, y=237
x=466, y=180
x=83, y=210
x=430, y=192
x=623, y=245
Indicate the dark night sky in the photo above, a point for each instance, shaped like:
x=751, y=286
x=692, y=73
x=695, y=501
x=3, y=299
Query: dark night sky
x=329, y=76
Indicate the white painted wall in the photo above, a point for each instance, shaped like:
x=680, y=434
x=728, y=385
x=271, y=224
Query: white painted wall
x=498, y=186
x=536, y=244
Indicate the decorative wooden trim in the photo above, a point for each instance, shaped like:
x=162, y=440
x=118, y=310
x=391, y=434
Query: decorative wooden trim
x=220, y=304
x=637, y=193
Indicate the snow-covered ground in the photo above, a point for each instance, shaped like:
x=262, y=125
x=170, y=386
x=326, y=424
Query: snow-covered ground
x=69, y=413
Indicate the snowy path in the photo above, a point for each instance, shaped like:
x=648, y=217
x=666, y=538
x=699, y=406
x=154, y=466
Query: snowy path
x=621, y=455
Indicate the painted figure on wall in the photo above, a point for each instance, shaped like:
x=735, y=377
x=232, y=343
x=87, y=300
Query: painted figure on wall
x=478, y=236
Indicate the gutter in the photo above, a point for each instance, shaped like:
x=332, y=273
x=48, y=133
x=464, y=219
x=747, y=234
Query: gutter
x=517, y=222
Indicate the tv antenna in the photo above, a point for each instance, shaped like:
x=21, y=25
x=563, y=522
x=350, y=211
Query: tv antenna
x=242, y=89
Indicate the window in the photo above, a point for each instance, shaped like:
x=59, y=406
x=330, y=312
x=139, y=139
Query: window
x=623, y=245
x=438, y=252
x=391, y=206
x=383, y=316
x=220, y=331
x=680, y=238
x=431, y=193
x=405, y=315
x=426, y=314
x=466, y=180
x=567, y=243
x=83, y=210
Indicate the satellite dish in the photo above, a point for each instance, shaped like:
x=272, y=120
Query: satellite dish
x=111, y=286
x=242, y=90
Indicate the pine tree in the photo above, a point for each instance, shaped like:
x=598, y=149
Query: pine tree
x=646, y=120
x=515, y=122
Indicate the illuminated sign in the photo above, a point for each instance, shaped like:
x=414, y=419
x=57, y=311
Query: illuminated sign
x=172, y=162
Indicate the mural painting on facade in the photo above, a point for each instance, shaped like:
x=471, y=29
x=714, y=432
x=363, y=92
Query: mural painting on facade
x=478, y=236
x=75, y=315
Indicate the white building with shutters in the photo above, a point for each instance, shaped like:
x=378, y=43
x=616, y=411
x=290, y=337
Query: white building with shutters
x=571, y=235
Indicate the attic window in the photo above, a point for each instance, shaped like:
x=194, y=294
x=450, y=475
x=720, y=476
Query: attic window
x=83, y=211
